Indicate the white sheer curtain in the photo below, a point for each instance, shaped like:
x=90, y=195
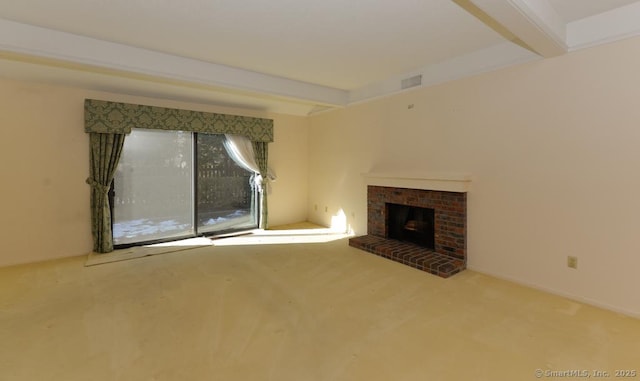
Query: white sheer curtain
x=240, y=149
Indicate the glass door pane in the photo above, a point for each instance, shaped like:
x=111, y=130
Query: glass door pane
x=153, y=187
x=226, y=199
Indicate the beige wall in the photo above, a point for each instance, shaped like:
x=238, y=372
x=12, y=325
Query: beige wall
x=288, y=157
x=554, y=150
x=44, y=204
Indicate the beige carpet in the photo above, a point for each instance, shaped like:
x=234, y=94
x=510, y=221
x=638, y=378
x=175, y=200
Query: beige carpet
x=292, y=312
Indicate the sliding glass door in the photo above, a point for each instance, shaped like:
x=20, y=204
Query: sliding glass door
x=174, y=184
x=226, y=199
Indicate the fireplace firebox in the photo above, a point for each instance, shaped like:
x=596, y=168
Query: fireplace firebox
x=424, y=229
x=411, y=224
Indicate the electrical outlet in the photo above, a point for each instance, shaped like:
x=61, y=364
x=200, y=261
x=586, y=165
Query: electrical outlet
x=326, y=209
x=315, y=207
x=572, y=262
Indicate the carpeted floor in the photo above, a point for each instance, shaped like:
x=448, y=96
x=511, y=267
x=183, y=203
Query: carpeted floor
x=292, y=312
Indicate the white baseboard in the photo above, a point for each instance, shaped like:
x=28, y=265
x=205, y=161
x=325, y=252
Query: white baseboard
x=577, y=298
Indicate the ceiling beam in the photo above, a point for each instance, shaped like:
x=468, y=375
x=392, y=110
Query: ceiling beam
x=605, y=27
x=532, y=24
x=51, y=44
x=480, y=61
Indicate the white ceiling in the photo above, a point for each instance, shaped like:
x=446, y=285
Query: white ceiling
x=290, y=56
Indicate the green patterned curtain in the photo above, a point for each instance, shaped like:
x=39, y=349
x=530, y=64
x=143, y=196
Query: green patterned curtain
x=113, y=117
x=105, y=154
x=261, y=153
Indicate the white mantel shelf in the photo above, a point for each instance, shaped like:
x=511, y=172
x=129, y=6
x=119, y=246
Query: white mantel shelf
x=448, y=182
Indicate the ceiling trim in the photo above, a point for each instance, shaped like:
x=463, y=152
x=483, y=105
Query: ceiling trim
x=613, y=25
x=534, y=22
x=42, y=42
x=480, y=61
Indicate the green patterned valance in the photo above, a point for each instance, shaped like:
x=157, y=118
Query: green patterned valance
x=119, y=118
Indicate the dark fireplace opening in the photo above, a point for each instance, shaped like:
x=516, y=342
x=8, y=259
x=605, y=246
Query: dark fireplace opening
x=411, y=224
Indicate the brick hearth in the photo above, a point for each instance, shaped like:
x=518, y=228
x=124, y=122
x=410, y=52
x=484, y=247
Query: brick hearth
x=450, y=224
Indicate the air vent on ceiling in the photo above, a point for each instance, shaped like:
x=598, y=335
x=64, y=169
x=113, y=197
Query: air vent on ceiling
x=414, y=81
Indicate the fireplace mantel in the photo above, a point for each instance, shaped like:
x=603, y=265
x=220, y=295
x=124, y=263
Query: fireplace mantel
x=448, y=182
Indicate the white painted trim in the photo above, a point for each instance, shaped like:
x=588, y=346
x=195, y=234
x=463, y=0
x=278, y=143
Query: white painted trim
x=481, y=61
x=577, y=298
x=534, y=22
x=606, y=27
x=541, y=14
x=41, y=42
x=448, y=182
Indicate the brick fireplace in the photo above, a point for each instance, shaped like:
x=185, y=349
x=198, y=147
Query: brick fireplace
x=449, y=253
